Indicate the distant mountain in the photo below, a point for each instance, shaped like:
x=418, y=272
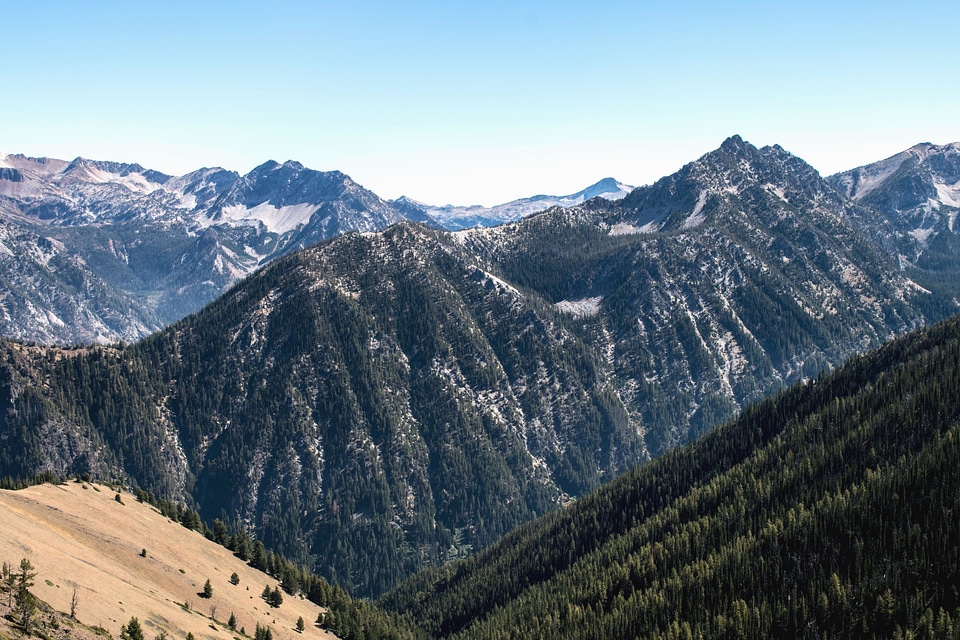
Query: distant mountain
x=130, y=250
x=828, y=511
x=918, y=191
x=145, y=249
x=455, y=218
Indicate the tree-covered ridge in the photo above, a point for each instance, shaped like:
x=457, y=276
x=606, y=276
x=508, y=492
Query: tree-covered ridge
x=828, y=511
x=366, y=407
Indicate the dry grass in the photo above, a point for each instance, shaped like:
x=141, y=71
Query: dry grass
x=78, y=537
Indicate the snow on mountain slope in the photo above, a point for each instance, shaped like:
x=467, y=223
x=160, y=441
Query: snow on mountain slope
x=160, y=245
x=918, y=191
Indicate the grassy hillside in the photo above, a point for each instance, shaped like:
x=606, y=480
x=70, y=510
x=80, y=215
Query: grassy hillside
x=110, y=557
x=81, y=539
x=828, y=511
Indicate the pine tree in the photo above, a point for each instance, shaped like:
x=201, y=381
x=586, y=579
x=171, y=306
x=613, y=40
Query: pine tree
x=25, y=607
x=263, y=633
x=276, y=598
x=300, y=625
x=131, y=630
x=207, y=589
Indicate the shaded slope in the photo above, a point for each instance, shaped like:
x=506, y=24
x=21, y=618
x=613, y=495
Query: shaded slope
x=828, y=510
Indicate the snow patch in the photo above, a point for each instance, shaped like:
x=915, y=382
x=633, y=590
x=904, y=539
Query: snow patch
x=913, y=285
x=626, y=229
x=275, y=219
x=186, y=200
x=582, y=308
x=500, y=284
x=922, y=235
x=697, y=217
x=949, y=194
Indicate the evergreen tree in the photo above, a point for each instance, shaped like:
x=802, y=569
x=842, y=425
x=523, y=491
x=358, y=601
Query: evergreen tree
x=131, y=630
x=24, y=606
x=276, y=598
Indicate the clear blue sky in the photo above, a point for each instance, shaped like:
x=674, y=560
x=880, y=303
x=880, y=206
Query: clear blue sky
x=475, y=102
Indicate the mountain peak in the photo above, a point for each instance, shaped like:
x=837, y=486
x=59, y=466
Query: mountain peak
x=735, y=143
x=269, y=165
x=606, y=186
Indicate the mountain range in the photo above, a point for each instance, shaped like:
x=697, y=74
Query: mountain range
x=825, y=511
x=455, y=218
x=98, y=251
x=378, y=402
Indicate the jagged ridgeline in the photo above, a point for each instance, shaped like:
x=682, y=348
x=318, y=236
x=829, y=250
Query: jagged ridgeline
x=381, y=402
x=827, y=511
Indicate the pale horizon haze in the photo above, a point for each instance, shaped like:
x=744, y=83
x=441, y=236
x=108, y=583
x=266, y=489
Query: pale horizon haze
x=476, y=103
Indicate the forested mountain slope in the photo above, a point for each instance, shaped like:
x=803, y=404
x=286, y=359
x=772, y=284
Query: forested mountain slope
x=369, y=405
x=385, y=401
x=826, y=511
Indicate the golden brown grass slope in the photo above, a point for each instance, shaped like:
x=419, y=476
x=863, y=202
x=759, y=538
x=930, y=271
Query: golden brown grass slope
x=79, y=537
